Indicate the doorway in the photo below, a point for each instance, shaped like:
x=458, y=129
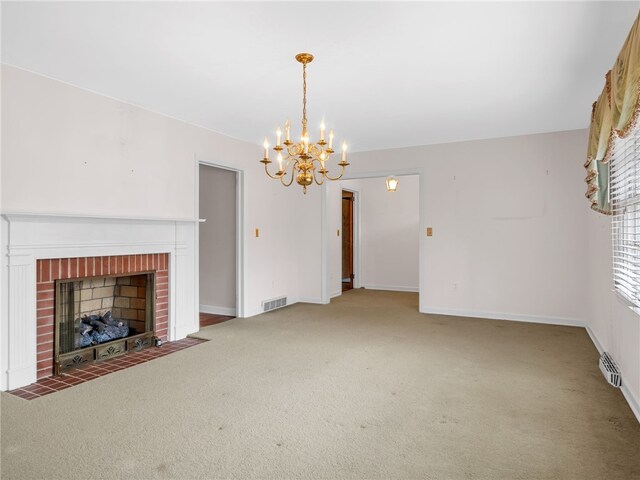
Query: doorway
x=217, y=240
x=348, y=275
x=387, y=244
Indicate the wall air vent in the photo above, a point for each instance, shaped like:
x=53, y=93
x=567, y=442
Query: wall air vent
x=610, y=370
x=272, y=304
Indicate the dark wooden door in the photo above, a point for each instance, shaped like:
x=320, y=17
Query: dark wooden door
x=347, y=240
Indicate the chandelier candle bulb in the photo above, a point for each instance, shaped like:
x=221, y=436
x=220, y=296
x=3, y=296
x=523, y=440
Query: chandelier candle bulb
x=331, y=140
x=344, y=152
x=322, y=132
x=279, y=162
x=266, y=148
x=287, y=130
x=278, y=137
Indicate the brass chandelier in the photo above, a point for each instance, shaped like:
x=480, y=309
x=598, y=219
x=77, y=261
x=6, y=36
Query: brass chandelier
x=304, y=161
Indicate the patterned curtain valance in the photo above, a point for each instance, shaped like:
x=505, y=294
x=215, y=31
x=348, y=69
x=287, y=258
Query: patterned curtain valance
x=614, y=114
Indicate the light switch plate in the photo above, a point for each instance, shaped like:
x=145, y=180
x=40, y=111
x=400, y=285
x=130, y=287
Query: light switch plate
x=429, y=232
x=257, y=232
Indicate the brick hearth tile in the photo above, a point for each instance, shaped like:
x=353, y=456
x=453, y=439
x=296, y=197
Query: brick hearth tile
x=50, y=385
x=25, y=395
x=80, y=374
x=71, y=380
x=39, y=389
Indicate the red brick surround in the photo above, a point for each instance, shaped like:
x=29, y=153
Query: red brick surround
x=48, y=271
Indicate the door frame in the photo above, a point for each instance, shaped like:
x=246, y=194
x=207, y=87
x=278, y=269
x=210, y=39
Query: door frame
x=356, y=236
x=421, y=229
x=240, y=236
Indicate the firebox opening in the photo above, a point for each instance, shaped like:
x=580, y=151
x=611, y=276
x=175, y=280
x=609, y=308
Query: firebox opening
x=102, y=317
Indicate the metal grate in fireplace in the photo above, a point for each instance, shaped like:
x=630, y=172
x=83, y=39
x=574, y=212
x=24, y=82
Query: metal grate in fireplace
x=98, y=318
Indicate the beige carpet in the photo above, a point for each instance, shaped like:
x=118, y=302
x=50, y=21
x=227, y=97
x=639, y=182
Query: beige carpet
x=363, y=388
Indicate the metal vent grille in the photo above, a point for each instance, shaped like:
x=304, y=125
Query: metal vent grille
x=268, y=305
x=610, y=370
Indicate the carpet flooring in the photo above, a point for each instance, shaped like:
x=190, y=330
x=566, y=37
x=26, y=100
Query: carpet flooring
x=363, y=388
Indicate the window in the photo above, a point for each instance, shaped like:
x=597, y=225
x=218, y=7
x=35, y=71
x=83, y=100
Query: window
x=625, y=206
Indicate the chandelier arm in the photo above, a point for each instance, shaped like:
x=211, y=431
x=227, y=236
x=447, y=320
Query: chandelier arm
x=315, y=179
x=294, y=149
x=266, y=169
x=338, y=177
x=285, y=183
x=288, y=160
x=315, y=149
x=284, y=173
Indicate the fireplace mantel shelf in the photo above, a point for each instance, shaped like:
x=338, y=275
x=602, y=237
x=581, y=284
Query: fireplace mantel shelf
x=25, y=216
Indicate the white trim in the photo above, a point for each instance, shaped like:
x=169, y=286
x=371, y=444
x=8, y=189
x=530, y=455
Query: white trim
x=212, y=309
x=392, y=288
x=514, y=317
x=318, y=301
x=594, y=339
x=24, y=215
x=633, y=402
x=336, y=294
x=241, y=244
x=324, y=242
x=357, y=239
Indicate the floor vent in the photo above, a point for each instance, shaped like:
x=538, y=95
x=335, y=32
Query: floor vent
x=610, y=370
x=268, y=305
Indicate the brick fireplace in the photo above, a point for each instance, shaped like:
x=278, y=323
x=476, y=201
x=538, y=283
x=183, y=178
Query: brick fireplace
x=39, y=249
x=111, y=286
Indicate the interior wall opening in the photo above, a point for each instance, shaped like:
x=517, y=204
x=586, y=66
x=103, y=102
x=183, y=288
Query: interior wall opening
x=380, y=235
x=217, y=244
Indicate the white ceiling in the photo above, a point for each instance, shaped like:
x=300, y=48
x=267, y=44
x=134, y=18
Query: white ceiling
x=385, y=75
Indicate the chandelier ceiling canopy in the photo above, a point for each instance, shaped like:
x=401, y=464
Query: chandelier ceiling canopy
x=305, y=162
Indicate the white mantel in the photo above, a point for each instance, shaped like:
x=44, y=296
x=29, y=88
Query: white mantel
x=27, y=238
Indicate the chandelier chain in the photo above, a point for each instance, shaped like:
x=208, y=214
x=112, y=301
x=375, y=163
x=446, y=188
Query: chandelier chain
x=304, y=98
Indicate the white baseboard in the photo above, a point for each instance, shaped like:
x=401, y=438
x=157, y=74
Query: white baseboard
x=633, y=402
x=336, y=294
x=570, y=322
x=594, y=339
x=217, y=310
x=391, y=288
x=311, y=300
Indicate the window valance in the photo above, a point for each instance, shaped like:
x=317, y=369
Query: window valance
x=613, y=116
